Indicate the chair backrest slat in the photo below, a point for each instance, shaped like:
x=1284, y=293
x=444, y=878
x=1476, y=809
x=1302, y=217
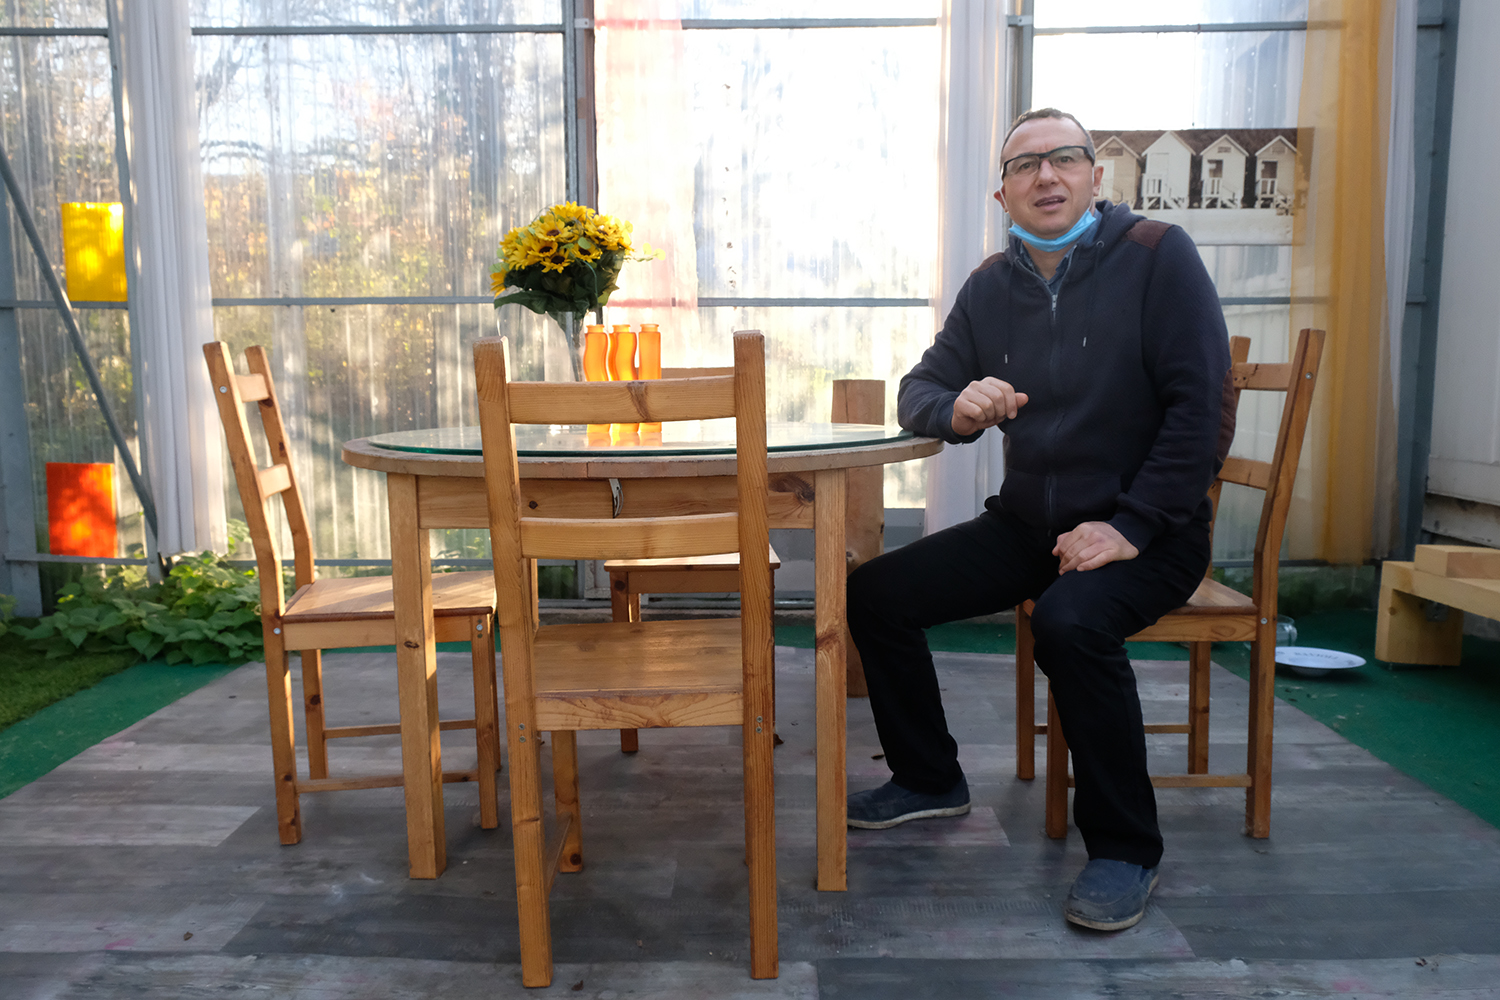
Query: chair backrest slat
x=274, y=479
x=253, y=388
x=622, y=402
x=269, y=409
x=695, y=372
x=635, y=537
x=1246, y=472
x=1262, y=376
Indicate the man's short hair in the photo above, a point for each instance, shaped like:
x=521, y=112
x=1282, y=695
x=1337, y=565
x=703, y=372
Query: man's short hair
x=1035, y=113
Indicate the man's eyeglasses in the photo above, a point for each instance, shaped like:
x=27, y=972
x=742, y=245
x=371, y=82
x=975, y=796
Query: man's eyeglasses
x=1062, y=158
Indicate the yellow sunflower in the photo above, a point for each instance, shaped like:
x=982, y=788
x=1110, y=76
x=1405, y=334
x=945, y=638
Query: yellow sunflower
x=497, y=280
x=569, y=210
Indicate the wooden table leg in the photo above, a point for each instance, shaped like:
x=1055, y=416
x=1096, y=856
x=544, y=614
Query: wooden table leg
x=830, y=623
x=416, y=681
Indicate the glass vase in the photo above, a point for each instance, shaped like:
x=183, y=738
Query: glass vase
x=596, y=369
x=622, y=369
x=650, y=347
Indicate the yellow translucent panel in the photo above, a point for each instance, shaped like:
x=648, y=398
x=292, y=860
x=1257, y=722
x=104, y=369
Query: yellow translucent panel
x=94, y=250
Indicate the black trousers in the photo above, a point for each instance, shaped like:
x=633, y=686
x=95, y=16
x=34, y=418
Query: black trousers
x=993, y=563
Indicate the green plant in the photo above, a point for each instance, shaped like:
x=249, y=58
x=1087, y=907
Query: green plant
x=7, y=606
x=204, y=612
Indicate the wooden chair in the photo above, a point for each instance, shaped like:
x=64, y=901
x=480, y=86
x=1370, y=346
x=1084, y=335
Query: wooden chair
x=336, y=613
x=629, y=675
x=1215, y=613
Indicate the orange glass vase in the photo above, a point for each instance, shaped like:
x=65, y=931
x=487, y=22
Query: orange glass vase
x=622, y=369
x=596, y=369
x=650, y=345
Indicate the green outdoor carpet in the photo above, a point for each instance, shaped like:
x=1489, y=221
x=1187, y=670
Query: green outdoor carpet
x=35, y=745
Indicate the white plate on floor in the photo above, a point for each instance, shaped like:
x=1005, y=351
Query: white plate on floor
x=1312, y=662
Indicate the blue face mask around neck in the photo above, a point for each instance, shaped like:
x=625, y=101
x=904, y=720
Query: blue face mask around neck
x=1079, y=228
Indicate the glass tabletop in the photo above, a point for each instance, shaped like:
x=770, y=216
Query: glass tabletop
x=688, y=437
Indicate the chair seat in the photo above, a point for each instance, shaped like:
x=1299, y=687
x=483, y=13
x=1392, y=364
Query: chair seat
x=639, y=675
x=368, y=598
x=1214, y=598
x=725, y=560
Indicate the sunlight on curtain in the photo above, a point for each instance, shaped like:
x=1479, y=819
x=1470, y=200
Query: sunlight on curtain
x=647, y=158
x=1338, y=280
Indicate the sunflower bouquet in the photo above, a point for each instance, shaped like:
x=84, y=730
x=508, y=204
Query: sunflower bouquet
x=564, y=264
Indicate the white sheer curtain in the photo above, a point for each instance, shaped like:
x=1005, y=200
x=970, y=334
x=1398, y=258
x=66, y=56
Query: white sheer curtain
x=971, y=223
x=170, y=299
x=647, y=158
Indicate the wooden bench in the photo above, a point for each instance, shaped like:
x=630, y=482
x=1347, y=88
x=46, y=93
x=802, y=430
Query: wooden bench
x=1459, y=577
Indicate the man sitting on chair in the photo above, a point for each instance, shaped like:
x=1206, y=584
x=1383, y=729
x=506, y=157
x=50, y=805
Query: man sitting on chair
x=1097, y=344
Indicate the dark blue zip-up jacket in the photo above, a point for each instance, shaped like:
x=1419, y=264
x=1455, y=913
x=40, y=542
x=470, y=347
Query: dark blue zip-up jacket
x=1126, y=370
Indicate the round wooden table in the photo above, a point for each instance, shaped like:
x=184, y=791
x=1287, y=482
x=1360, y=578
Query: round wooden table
x=434, y=479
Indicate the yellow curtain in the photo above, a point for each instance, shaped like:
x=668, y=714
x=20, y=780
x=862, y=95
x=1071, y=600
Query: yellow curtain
x=1338, y=280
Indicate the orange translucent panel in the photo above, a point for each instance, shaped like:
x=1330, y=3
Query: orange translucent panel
x=81, y=509
x=94, y=250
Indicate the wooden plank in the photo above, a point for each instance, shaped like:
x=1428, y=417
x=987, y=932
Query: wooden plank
x=1026, y=728
x=416, y=681
x=1166, y=727
x=639, y=711
x=1403, y=632
x=653, y=657
x=1474, y=562
x=273, y=480
x=391, y=729
x=1193, y=628
x=1261, y=728
x=253, y=388
x=621, y=402
x=1055, y=794
x=280, y=448
x=830, y=619
x=486, y=716
x=758, y=663
x=1263, y=376
x=552, y=862
x=1246, y=472
x=1480, y=597
x=1198, y=706
x=565, y=797
x=374, y=781
x=535, y=866
x=314, y=720
x=638, y=537
x=283, y=737
x=861, y=401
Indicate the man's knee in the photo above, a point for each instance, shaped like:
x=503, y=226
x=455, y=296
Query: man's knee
x=1064, y=635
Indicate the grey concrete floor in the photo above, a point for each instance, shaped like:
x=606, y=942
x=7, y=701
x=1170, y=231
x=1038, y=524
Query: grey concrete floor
x=149, y=866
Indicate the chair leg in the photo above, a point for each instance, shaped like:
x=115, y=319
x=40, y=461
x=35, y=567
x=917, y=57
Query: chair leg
x=1057, y=773
x=486, y=718
x=565, y=792
x=624, y=607
x=312, y=712
x=760, y=849
x=283, y=739
x=1262, y=723
x=530, y=847
x=1198, y=653
x=1025, y=698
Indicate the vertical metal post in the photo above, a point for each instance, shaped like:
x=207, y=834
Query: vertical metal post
x=570, y=96
x=1026, y=36
x=1419, y=334
x=17, y=504
x=115, y=12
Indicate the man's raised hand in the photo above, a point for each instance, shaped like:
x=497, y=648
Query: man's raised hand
x=1090, y=545
x=984, y=404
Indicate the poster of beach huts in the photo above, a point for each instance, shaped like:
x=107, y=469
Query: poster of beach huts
x=1225, y=186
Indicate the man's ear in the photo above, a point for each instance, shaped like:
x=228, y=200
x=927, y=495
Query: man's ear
x=1098, y=179
x=1000, y=197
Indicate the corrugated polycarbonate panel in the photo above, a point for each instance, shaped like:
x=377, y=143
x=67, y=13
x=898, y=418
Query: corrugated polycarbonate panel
x=374, y=165
x=322, y=13
x=817, y=162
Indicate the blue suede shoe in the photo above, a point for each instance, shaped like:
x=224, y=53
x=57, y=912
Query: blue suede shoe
x=891, y=805
x=1110, y=895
